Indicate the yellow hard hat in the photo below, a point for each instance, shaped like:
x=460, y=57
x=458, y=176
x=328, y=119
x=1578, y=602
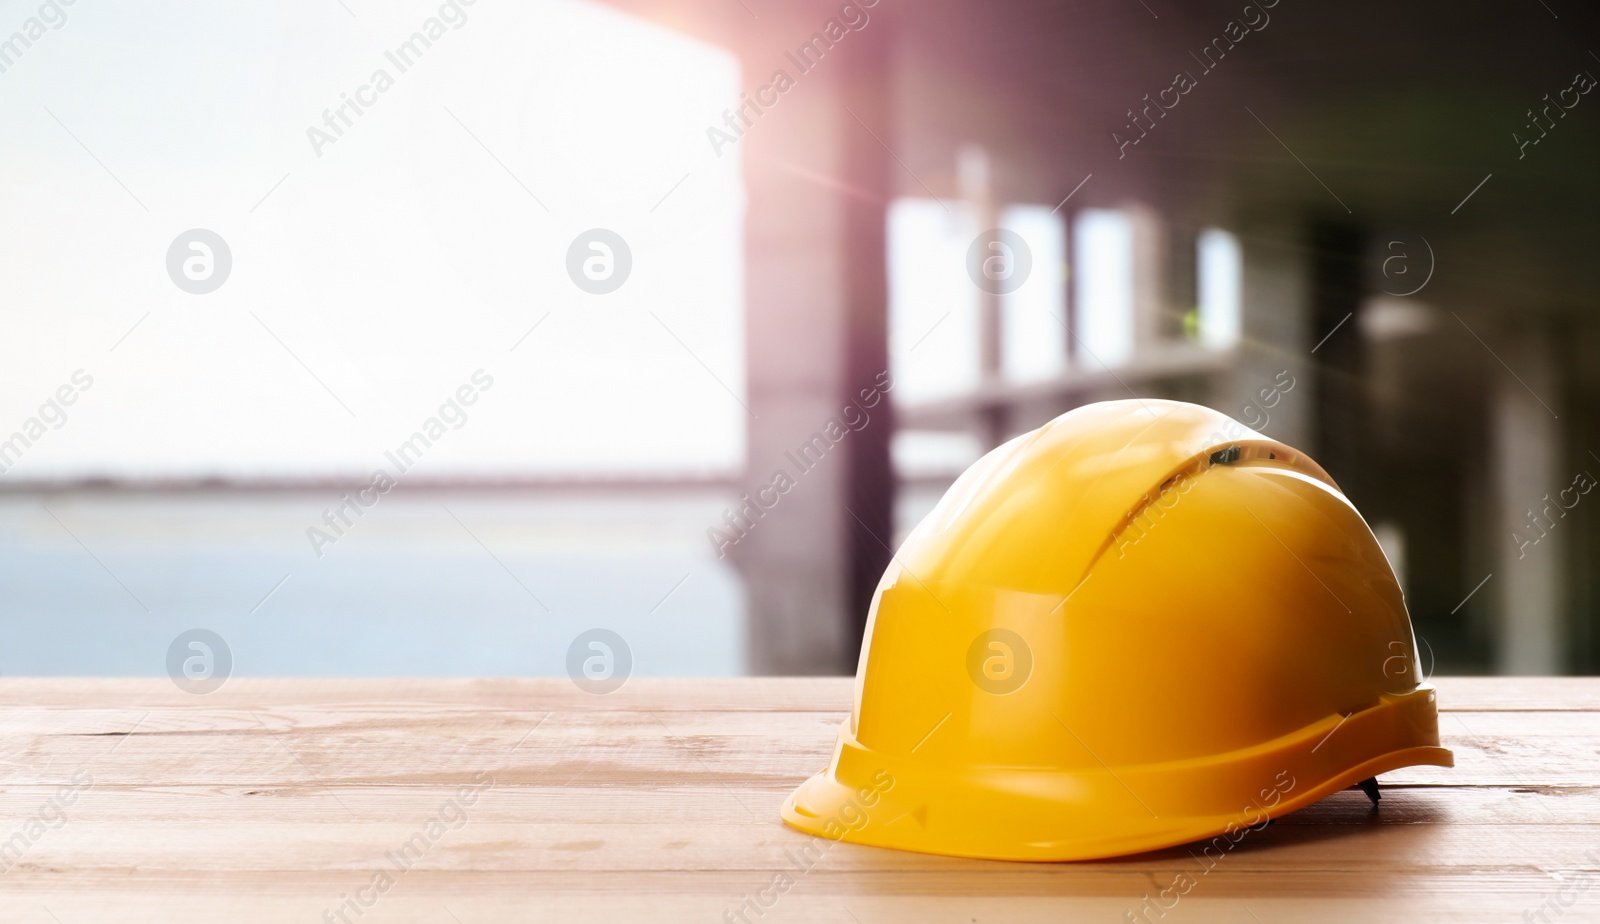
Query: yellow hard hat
x=1140, y=625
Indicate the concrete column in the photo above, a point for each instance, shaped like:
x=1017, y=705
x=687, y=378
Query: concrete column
x=1151, y=275
x=867, y=165
x=974, y=173
x=1343, y=399
x=1274, y=335
x=1531, y=532
x=816, y=314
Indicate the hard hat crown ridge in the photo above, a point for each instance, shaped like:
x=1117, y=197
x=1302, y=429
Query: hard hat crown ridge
x=1117, y=633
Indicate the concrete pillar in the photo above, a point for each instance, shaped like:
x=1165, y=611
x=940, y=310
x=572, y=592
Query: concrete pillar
x=1275, y=335
x=867, y=164
x=1152, y=275
x=1531, y=534
x=816, y=311
x=975, y=175
x=1342, y=391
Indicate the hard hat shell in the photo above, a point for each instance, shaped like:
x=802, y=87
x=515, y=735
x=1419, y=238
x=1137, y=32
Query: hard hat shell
x=1140, y=625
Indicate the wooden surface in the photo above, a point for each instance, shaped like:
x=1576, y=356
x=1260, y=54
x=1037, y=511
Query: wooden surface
x=275, y=800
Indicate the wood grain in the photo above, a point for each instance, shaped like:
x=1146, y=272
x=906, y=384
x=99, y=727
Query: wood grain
x=275, y=800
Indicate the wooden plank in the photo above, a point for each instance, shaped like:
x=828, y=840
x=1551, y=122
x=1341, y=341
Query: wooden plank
x=720, y=694
x=770, y=751
x=328, y=840
x=276, y=800
x=1519, y=694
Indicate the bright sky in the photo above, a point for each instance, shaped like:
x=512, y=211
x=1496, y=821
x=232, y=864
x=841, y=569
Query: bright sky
x=392, y=266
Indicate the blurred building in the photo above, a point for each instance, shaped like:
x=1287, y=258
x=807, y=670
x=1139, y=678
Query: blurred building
x=1388, y=208
x=868, y=244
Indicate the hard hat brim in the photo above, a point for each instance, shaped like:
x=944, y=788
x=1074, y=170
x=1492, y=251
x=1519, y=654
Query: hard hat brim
x=1008, y=813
